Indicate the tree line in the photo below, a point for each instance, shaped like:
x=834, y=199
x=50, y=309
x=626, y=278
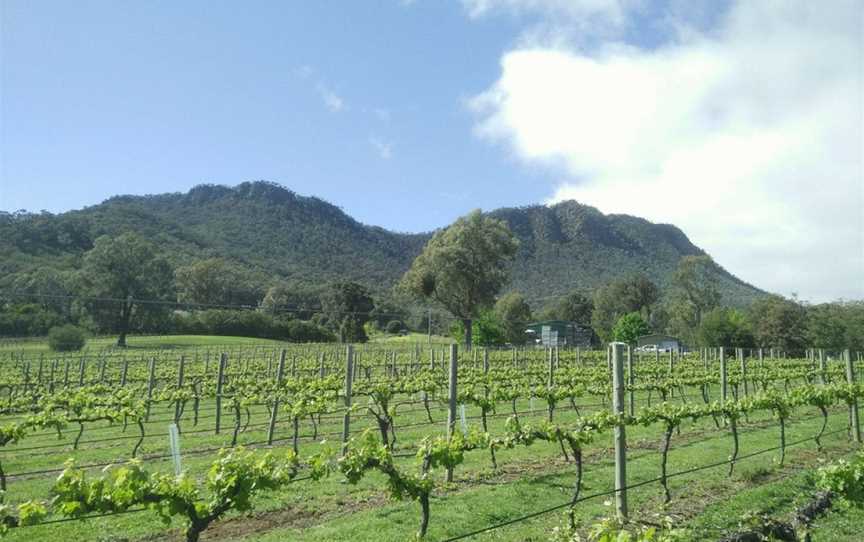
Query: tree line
x=125, y=284
x=464, y=267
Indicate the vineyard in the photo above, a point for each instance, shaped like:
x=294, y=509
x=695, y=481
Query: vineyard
x=391, y=442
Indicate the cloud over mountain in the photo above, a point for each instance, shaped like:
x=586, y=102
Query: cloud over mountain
x=749, y=136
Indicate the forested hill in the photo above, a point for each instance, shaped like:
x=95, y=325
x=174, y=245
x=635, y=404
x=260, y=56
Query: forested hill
x=309, y=242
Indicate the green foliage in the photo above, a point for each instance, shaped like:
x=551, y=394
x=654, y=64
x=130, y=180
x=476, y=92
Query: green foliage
x=239, y=323
x=610, y=529
x=394, y=326
x=573, y=307
x=216, y=281
x=66, y=338
x=635, y=293
x=779, y=322
x=365, y=453
x=346, y=309
x=117, y=272
x=513, y=313
x=304, y=244
x=694, y=291
x=726, y=327
x=26, y=513
x=389, y=308
x=27, y=319
x=845, y=479
x=836, y=326
x=464, y=266
x=231, y=482
x=630, y=327
x=486, y=330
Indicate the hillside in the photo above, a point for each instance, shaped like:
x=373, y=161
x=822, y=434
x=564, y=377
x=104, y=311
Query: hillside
x=309, y=242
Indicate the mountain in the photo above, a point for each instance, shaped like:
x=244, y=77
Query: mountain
x=309, y=242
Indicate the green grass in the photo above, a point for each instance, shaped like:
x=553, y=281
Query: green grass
x=410, y=338
x=531, y=479
x=136, y=343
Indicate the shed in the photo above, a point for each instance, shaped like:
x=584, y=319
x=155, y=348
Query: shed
x=558, y=333
x=662, y=342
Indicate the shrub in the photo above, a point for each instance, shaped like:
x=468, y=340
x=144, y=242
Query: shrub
x=394, y=326
x=249, y=324
x=27, y=320
x=630, y=327
x=66, y=338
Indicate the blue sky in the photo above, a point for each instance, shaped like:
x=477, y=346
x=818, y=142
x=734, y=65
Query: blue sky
x=733, y=120
x=360, y=103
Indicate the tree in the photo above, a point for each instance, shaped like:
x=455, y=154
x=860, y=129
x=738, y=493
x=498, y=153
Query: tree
x=290, y=301
x=826, y=327
x=487, y=329
x=47, y=287
x=634, y=293
x=630, y=327
x=276, y=298
x=122, y=278
x=779, y=322
x=514, y=313
x=573, y=307
x=695, y=284
x=216, y=281
x=463, y=267
x=387, y=310
x=837, y=325
x=347, y=307
x=693, y=293
x=726, y=327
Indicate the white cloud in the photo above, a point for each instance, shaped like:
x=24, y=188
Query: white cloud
x=382, y=113
x=612, y=10
x=383, y=148
x=304, y=71
x=333, y=102
x=750, y=139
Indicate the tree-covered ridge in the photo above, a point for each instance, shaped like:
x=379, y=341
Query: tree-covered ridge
x=307, y=242
x=569, y=245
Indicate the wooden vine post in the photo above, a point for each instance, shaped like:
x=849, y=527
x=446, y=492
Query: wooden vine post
x=724, y=384
x=82, y=365
x=349, y=381
x=853, y=407
x=620, y=435
x=280, y=373
x=124, y=373
x=220, y=377
x=51, y=378
x=180, y=370
x=631, y=380
x=451, y=410
x=151, y=379
x=671, y=361
x=822, y=367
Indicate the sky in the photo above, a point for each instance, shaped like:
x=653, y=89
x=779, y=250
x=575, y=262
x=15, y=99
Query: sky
x=739, y=122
